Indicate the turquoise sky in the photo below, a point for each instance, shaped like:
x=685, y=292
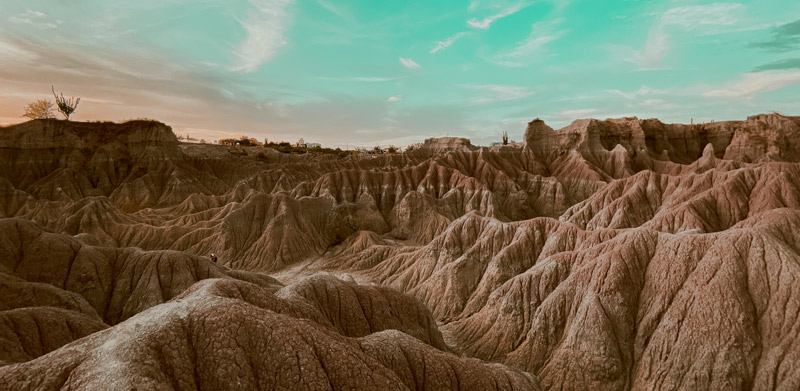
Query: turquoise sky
x=374, y=72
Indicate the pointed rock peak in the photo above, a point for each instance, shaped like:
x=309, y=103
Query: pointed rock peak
x=619, y=149
x=708, y=152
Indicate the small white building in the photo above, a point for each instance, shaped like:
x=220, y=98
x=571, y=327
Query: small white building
x=313, y=145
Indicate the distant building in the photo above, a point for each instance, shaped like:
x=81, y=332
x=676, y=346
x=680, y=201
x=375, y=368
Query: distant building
x=301, y=143
x=313, y=145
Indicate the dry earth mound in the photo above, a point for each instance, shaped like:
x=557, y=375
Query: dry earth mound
x=233, y=335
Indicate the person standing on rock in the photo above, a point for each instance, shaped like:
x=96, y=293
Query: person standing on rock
x=213, y=258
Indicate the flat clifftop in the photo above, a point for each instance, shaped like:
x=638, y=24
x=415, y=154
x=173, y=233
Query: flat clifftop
x=449, y=144
x=53, y=133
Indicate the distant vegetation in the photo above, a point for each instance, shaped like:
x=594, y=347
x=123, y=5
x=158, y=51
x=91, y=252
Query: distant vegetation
x=39, y=109
x=139, y=119
x=283, y=147
x=414, y=146
x=43, y=108
x=65, y=106
x=243, y=141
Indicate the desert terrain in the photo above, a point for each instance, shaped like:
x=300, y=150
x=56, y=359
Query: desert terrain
x=620, y=254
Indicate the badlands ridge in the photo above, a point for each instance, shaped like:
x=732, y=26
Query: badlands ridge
x=622, y=254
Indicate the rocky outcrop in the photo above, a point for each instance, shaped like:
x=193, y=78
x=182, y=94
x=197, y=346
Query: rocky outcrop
x=116, y=283
x=28, y=333
x=442, y=144
x=239, y=336
x=766, y=137
x=637, y=300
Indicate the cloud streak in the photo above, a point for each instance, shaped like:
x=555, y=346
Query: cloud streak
x=651, y=56
x=449, y=41
x=702, y=19
x=532, y=47
x=491, y=93
x=362, y=79
x=409, y=63
x=784, y=38
x=33, y=18
x=485, y=23
x=265, y=26
x=641, y=92
x=789, y=63
x=693, y=17
x=332, y=9
x=749, y=84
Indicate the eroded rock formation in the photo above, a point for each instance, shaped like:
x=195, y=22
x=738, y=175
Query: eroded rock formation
x=610, y=255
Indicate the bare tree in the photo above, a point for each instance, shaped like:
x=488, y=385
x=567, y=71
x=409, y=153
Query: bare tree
x=66, y=106
x=39, y=109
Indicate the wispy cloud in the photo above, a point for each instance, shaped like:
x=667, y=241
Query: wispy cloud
x=655, y=104
x=702, y=19
x=265, y=26
x=651, y=56
x=789, y=63
x=33, y=18
x=114, y=83
x=698, y=16
x=442, y=45
x=533, y=46
x=409, y=63
x=362, y=79
x=396, y=98
x=577, y=113
x=485, y=23
x=12, y=50
x=641, y=92
x=643, y=99
x=498, y=93
x=332, y=9
x=784, y=38
x=749, y=84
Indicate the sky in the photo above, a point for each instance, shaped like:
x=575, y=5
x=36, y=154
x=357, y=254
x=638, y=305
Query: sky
x=347, y=73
